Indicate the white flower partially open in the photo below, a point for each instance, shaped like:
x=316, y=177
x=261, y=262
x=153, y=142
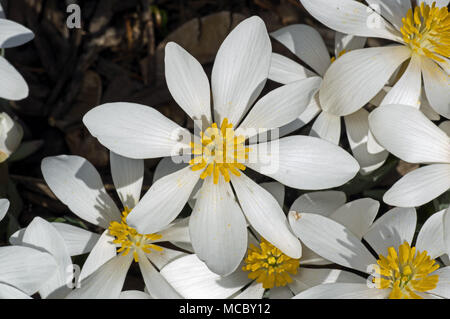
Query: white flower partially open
x=410, y=135
x=424, y=36
x=11, y=134
x=23, y=270
x=401, y=271
x=78, y=185
x=13, y=86
x=218, y=225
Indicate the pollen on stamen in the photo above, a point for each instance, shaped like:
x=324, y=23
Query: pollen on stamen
x=220, y=152
x=427, y=31
x=269, y=266
x=406, y=272
x=129, y=240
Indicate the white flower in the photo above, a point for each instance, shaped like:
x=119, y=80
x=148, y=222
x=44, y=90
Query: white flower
x=12, y=34
x=409, y=135
x=306, y=43
x=266, y=267
x=23, y=270
x=11, y=134
x=423, y=33
x=78, y=185
x=401, y=271
x=218, y=225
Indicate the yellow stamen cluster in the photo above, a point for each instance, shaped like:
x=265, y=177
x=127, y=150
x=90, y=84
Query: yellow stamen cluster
x=338, y=56
x=427, y=31
x=269, y=266
x=130, y=240
x=220, y=152
x=406, y=272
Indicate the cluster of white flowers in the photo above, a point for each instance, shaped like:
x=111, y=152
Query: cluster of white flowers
x=239, y=240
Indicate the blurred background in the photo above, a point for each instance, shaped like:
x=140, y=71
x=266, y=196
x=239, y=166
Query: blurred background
x=118, y=55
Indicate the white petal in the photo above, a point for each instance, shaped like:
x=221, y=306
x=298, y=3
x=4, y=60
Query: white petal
x=392, y=229
x=4, y=206
x=357, y=216
x=407, y=133
x=163, y=201
x=408, y=88
x=156, y=284
x=128, y=175
x=240, y=69
x=283, y=70
x=364, y=22
x=426, y=108
x=77, y=184
x=135, y=131
x=8, y=292
x=443, y=286
x=445, y=126
x=178, y=234
x=265, y=215
x=309, y=257
x=134, y=294
x=346, y=86
x=347, y=42
x=436, y=83
x=291, y=100
x=167, y=166
x=13, y=34
x=357, y=128
x=343, y=291
x=41, y=235
x=431, y=236
x=25, y=268
x=310, y=277
x=277, y=190
x=447, y=236
x=303, y=162
x=218, y=228
x=392, y=10
x=254, y=291
x=328, y=127
x=306, y=43
x=310, y=112
x=106, y=282
x=419, y=186
x=331, y=240
x=162, y=258
x=13, y=85
x=103, y=251
x=187, y=82
x=323, y=203
x=193, y=280
x=78, y=240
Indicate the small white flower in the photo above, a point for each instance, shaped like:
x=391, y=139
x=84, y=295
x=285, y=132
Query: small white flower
x=12, y=34
x=217, y=223
x=400, y=271
x=423, y=33
x=23, y=270
x=78, y=185
x=409, y=135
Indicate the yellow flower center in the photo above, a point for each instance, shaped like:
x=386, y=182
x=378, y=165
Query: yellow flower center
x=220, y=152
x=130, y=240
x=406, y=272
x=427, y=31
x=338, y=56
x=269, y=266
